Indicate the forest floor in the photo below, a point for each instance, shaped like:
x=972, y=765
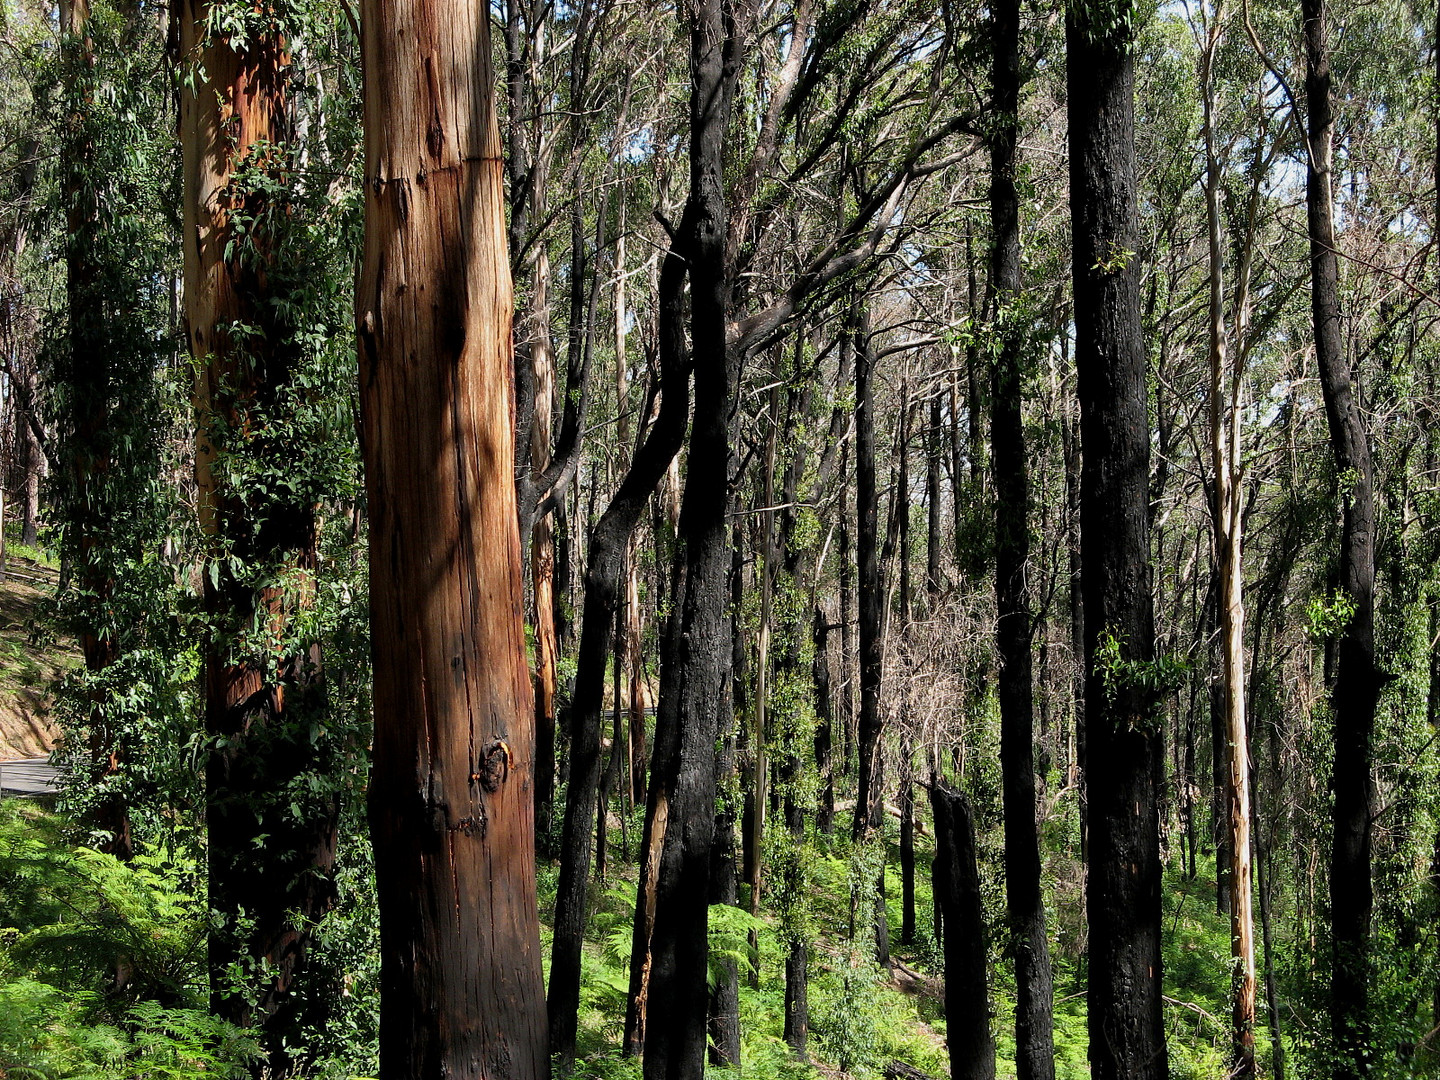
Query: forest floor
x=31, y=656
x=864, y=1017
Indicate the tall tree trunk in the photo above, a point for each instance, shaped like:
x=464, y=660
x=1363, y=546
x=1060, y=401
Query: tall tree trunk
x=796, y=1030
x=694, y=673
x=542, y=564
x=612, y=759
x=907, y=840
x=1357, y=680
x=1073, y=467
x=796, y=560
x=934, y=451
x=1226, y=380
x=88, y=374
x=824, y=721
x=1272, y=1001
x=634, y=659
x=523, y=39
x=869, y=805
x=957, y=894
x=845, y=571
x=756, y=790
x=870, y=787
x=452, y=785
x=724, y=881
x=542, y=532
x=1219, y=803
x=604, y=580
x=270, y=866
x=33, y=463
x=1025, y=898
x=1123, y=735
x=906, y=779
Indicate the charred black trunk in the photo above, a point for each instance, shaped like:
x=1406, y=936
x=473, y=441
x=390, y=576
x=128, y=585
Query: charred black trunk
x=694, y=674
x=824, y=723
x=724, y=879
x=1025, y=900
x=957, y=893
x=907, y=846
x=604, y=586
x=1357, y=680
x=869, y=804
x=1123, y=736
x=1220, y=825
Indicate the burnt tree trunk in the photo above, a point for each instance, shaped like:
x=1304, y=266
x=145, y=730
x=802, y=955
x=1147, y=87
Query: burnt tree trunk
x=1024, y=896
x=868, y=804
x=907, y=842
x=1123, y=735
x=694, y=673
x=824, y=721
x=1220, y=831
x=452, y=787
x=870, y=766
x=604, y=582
x=724, y=878
x=957, y=894
x=934, y=450
x=1357, y=680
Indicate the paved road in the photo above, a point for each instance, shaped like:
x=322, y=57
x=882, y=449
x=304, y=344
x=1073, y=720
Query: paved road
x=28, y=778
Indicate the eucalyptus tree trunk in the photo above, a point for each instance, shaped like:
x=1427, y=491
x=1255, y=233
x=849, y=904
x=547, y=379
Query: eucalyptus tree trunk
x=870, y=766
x=694, y=674
x=905, y=780
x=906, y=806
x=271, y=856
x=957, y=894
x=32, y=461
x=88, y=373
x=452, y=784
x=934, y=449
x=1123, y=735
x=633, y=656
x=824, y=719
x=1357, y=680
x=869, y=805
x=848, y=714
x=1226, y=381
x=724, y=1020
x=1025, y=898
x=756, y=790
x=542, y=532
x=604, y=582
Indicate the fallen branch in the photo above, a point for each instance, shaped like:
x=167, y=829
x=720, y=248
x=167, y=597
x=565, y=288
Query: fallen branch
x=1193, y=1008
x=898, y=1070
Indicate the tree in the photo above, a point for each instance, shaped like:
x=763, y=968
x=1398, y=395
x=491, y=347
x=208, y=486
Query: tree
x=271, y=841
x=1356, y=689
x=1226, y=384
x=693, y=674
x=89, y=377
x=1123, y=738
x=603, y=583
x=450, y=800
x=870, y=767
x=1025, y=899
x=957, y=893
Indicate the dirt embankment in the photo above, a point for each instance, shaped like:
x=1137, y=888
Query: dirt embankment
x=31, y=658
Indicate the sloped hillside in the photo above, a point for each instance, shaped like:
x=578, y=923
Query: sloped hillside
x=31, y=658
